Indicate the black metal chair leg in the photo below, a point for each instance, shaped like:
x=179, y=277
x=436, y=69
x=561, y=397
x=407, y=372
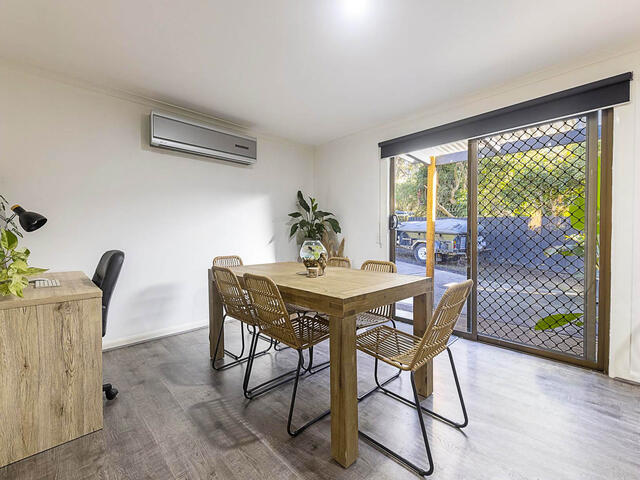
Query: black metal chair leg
x=251, y=393
x=231, y=354
x=227, y=352
x=261, y=336
x=435, y=415
x=419, y=470
x=460, y=397
x=318, y=368
x=238, y=360
x=379, y=385
x=416, y=397
x=299, y=430
x=280, y=349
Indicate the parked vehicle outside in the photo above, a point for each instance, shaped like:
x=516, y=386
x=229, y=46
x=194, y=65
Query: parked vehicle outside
x=450, y=239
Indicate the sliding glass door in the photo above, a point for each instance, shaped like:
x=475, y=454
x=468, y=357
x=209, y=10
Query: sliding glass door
x=523, y=214
x=410, y=180
x=536, y=280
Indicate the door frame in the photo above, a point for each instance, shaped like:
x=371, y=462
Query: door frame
x=604, y=288
x=601, y=311
x=392, y=231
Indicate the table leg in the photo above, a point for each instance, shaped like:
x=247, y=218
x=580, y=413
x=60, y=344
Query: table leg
x=344, y=390
x=422, y=308
x=215, y=319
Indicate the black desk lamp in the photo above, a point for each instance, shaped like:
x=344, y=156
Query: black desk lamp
x=30, y=221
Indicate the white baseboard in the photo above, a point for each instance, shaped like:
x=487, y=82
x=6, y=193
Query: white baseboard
x=152, y=335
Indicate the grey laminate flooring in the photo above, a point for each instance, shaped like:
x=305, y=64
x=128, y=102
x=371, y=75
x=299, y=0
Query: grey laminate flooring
x=176, y=418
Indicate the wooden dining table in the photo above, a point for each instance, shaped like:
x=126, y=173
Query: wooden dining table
x=341, y=293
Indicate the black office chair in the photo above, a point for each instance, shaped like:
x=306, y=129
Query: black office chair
x=105, y=278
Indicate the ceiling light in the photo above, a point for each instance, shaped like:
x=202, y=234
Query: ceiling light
x=354, y=8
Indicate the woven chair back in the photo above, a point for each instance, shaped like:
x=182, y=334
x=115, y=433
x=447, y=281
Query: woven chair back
x=435, y=338
x=227, y=261
x=270, y=309
x=380, y=266
x=342, y=262
x=234, y=299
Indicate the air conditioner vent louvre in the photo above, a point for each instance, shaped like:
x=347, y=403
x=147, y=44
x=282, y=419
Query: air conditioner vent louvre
x=185, y=135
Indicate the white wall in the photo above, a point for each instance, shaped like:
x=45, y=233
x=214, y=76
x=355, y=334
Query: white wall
x=352, y=181
x=81, y=158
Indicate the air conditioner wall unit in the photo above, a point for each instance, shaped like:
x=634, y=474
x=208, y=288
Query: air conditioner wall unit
x=185, y=135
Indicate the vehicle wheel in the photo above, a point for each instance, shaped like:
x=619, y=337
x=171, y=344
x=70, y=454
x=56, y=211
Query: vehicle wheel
x=420, y=252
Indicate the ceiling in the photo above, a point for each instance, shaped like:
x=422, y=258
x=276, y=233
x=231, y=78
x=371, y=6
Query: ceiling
x=307, y=70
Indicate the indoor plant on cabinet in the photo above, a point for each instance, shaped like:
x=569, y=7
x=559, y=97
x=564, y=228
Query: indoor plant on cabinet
x=14, y=270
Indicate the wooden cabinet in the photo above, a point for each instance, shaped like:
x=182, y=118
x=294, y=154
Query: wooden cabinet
x=50, y=366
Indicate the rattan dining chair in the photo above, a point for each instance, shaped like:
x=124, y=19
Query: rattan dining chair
x=379, y=315
x=382, y=314
x=236, y=304
x=374, y=317
x=409, y=352
x=298, y=332
x=342, y=262
x=229, y=261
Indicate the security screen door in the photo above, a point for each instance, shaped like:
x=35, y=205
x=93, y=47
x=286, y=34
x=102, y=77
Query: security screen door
x=536, y=275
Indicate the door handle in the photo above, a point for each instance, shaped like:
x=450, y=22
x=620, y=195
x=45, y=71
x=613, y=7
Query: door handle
x=393, y=222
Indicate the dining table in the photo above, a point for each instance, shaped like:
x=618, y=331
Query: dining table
x=341, y=293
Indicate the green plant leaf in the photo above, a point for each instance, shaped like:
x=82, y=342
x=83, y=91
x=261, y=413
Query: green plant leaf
x=8, y=240
x=295, y=214
x=556, y=320
x=577, y=213
x=34, y=270
x=334, y=224
x=22, y=254
x=18, y=266
x=303, y=203
x=17, y=284
x=294, y=229
x=320, y=214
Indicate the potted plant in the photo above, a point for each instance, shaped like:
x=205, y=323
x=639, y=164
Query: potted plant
x=14, y=270
x=312, y=223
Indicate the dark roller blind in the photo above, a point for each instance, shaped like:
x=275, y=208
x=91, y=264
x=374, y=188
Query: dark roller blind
x=585, y=98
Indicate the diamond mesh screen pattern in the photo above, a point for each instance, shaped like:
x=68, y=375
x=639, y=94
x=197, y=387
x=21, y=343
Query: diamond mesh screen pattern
x=531, y=201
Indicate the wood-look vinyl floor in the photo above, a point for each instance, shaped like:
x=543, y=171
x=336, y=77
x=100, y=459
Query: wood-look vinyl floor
x=176, y=418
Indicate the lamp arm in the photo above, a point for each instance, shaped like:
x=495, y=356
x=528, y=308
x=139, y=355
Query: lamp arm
x=7, y=221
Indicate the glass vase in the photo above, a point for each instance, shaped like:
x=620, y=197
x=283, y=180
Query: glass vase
x=311, y=250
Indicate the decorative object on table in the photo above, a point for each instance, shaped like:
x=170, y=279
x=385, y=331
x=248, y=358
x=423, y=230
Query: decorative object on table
x=330, y=241
x=313, y=272
x=322, y=262
x=14, y=270
x=311, y=222
x=313, y=254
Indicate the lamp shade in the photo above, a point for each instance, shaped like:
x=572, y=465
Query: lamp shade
x=30, y=221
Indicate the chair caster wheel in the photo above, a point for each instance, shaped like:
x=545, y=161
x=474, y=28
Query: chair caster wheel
x=111, y=393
